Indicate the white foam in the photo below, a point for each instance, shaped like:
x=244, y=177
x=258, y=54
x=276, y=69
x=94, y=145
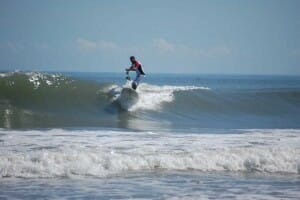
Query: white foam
x=7, y=74
x=36, y=78
x=112, y=90
x=57, y=153
x=2, y=75
x=151, y=97
x=49, y=82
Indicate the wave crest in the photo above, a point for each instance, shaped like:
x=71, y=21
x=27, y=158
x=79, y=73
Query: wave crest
x=151, y=97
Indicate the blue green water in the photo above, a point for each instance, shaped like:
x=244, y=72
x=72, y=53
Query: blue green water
x=173, y=102
x=72, y=136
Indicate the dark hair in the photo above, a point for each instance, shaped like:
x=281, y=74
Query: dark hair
x=132, y=57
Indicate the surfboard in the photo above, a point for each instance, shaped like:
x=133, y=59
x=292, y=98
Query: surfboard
x=128, y=98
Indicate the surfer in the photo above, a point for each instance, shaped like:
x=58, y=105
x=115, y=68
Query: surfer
x=137, y=67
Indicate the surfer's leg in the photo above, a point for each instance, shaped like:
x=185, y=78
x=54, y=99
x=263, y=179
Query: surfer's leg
x=134, y=85
x=136, y=81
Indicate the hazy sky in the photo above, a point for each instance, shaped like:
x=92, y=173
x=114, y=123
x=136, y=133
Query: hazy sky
x=249, y=37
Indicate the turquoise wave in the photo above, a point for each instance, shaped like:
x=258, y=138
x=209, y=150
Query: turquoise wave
x=45, y=100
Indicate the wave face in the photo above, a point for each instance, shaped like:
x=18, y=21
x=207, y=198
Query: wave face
x=37, y=100
x=67, y=153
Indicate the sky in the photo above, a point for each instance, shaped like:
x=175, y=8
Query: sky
x=214, y=36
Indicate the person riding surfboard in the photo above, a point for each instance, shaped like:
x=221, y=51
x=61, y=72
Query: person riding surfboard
x=137, y=67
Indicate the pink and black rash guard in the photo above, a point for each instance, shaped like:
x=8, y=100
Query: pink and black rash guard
x=138, y=67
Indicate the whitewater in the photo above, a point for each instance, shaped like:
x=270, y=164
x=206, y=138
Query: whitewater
x=66, y=153
x=70, y=135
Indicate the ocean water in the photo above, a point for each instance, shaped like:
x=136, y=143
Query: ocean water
x=72, y=136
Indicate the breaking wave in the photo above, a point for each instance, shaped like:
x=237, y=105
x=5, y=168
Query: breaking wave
x=34, y=100
x=63, y=153
x=151, y=97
